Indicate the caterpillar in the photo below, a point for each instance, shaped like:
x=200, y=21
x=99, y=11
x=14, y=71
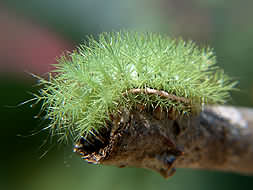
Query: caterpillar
x=127, y=70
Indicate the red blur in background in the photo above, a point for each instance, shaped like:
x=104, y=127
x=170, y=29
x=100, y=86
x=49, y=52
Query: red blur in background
x=26, y=46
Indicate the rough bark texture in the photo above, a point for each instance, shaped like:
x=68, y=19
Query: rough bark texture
x=219, y=138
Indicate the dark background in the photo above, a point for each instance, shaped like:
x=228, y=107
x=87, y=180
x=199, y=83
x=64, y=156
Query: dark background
x=34, y=32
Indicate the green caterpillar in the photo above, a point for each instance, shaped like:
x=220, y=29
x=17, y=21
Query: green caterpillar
x=126, y=69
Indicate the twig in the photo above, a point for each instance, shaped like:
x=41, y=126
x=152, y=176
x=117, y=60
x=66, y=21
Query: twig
x=219, y=138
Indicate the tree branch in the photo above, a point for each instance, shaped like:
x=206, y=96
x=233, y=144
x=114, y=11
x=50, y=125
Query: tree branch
x=219, y=138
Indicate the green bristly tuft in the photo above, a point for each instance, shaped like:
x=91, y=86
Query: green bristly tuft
x=96, y=80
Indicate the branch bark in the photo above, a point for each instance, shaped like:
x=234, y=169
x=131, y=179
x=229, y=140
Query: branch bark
x=219, y=138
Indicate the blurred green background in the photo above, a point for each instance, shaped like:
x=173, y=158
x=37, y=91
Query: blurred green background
x=34, y=32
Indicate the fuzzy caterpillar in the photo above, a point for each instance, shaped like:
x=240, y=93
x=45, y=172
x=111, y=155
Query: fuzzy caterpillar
x=126, y=70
